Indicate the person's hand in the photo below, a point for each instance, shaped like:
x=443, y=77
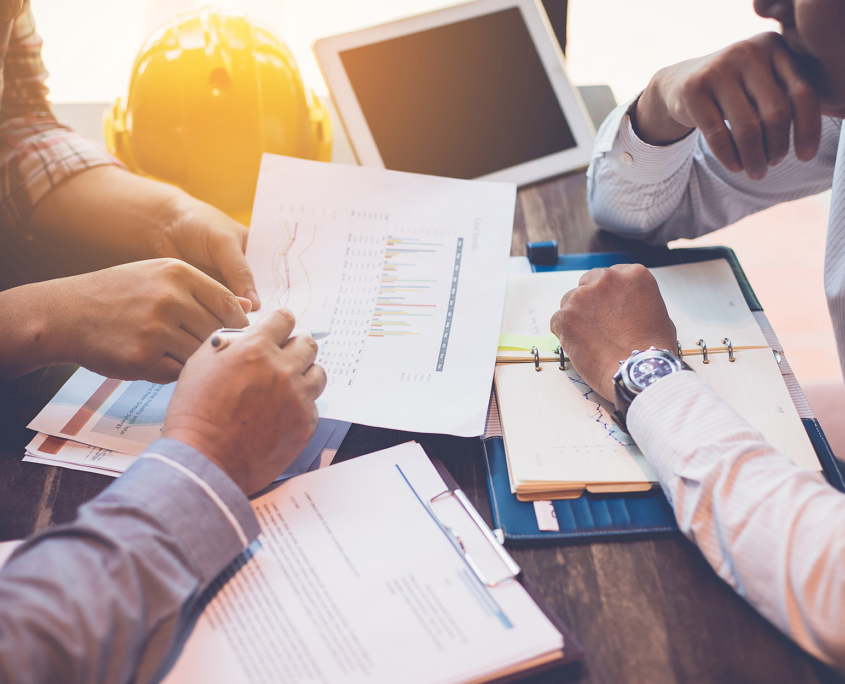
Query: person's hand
x=207, y=238
x=250, y=406
x=141, y=320
x=611, y=313
x=758, y=86
x=116, y=211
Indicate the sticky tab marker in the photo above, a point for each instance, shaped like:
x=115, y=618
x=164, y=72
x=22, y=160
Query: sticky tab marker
x=546, y=517
x=512, y=342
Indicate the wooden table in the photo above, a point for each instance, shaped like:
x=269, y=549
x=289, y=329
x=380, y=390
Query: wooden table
x=649, y=610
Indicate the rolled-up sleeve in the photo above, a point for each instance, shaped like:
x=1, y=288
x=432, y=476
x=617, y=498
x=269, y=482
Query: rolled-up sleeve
x=36, y=152
x=104, y=598
x=662, y=193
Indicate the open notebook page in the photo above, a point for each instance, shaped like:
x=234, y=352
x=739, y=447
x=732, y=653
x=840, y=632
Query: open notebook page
x=703, y=299
x=557, y=429
x=355, y=582
x=754, y=387
x=565, y=432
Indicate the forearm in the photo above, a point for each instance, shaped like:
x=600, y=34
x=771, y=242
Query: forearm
x=103, y=598
x=33, y=330
x=773, y=531
x=111, y=208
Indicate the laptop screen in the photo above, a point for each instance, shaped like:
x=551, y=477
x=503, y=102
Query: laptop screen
x=462, y=100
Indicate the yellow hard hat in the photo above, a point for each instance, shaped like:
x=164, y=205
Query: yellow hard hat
x=209, y=94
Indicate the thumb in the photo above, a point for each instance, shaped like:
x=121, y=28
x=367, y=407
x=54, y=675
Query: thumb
x=229, y=259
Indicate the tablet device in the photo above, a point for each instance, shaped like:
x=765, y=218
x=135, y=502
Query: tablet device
x=476, y=90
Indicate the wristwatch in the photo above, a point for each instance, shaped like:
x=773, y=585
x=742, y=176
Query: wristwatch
x=638, y=371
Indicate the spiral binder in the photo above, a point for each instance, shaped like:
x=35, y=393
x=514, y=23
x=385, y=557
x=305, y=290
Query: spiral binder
x=595, y=516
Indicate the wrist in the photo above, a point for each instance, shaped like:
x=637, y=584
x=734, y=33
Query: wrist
x=650, y=116
x=171, y=206
x=641, y=370
x=196, y=437
x=34, y=337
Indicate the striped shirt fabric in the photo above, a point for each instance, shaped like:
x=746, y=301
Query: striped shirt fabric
x=773, y=531
x=36, y=152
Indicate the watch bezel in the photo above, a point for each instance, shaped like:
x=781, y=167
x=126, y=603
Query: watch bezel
x=631, y=386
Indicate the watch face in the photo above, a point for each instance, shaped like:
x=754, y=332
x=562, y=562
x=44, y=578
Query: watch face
x=646, y=371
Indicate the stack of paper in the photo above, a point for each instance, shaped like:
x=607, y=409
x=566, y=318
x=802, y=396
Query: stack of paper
x=101, y=425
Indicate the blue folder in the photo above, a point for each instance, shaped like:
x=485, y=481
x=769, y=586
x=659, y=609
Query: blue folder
x=596, y=516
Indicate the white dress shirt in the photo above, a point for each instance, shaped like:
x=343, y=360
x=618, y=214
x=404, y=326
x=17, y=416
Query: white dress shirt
x=773, y=531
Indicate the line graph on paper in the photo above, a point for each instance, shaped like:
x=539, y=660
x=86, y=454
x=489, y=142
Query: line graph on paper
x=381, y=293
x=576, y=419
x=600, y=415
x=289, y=266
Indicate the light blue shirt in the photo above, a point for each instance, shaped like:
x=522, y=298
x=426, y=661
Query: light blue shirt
x=104, y=598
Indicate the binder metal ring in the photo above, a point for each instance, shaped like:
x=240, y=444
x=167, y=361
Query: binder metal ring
x=536, y=353
x=513, y=569
x=730, y=347
x=703, y=345
x=562, y=366
x=680, y=349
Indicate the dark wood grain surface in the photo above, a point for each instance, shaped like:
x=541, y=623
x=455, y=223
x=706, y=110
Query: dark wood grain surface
x=649, y=610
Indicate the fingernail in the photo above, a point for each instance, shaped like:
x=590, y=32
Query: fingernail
x=253, y=296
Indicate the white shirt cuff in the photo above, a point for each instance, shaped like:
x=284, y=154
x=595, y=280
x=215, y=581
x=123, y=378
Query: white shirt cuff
x=637, y=161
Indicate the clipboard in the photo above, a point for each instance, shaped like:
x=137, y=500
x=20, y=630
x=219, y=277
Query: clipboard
x=592, y=516
x=573, y=651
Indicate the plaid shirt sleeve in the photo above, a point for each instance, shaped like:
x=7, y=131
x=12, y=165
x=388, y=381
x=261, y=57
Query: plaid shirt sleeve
x=36, y=152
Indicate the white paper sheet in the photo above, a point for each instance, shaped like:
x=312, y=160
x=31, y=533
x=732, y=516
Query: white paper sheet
x=565, y=432
x=119, y=415
x=356, y=582
x=704, y=302
x=408, y=274
x=59, y=451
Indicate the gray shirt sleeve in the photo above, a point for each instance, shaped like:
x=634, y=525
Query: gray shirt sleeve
x=103, y=599
x=659, y=194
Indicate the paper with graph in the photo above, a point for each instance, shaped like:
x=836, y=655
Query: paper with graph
x=559, y=433
x=407, y=272
x=101, y=425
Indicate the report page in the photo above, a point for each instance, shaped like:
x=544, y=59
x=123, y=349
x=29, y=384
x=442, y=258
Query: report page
x=355, y=581
x=408, y=274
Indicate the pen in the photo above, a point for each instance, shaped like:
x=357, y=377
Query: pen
x=221, y=338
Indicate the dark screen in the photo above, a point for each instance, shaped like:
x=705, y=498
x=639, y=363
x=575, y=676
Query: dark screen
x=462, y=100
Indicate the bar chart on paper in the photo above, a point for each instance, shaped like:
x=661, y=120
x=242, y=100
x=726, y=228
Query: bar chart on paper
x=400, y=278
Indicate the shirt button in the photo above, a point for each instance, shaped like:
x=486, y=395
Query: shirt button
x=626, y=159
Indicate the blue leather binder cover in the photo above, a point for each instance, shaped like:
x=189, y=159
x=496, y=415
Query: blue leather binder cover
x=592, y=517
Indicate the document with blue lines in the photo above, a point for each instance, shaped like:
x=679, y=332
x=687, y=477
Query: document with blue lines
x=355, y=579
x=407, y=273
